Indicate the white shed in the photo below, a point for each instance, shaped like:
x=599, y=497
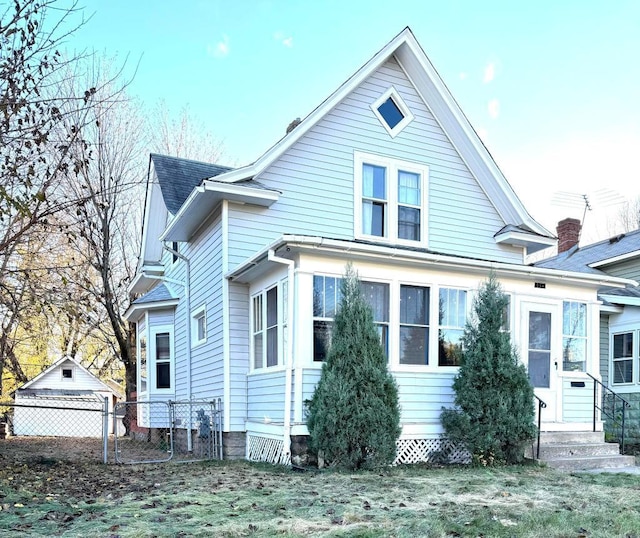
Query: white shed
x=66, y=400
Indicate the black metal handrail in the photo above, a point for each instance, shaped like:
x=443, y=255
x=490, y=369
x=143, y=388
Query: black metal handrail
x=623, y=405
x=541, y=405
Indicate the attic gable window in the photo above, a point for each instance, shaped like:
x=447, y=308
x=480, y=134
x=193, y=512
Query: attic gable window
x=67, y=373
x=392, y=111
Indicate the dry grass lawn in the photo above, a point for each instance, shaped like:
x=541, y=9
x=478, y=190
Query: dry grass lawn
x=47, y=489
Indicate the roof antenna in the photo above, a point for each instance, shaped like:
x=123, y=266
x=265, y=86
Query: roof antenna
x=587, y=206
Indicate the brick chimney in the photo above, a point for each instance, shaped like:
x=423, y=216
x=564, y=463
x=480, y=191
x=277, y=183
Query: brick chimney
x=568, y=234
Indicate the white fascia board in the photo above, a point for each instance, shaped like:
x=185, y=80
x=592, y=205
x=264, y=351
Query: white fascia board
x=610, y=309
x=393, y=254
x=135, y=309
x=531, y=242
x=450, y=117
x=616, y=259
x=147, y=275
x=620, y=299
x=204, y=198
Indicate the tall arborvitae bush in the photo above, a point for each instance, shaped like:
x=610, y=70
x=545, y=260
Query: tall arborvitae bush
x=354, y=416
x=494, y=413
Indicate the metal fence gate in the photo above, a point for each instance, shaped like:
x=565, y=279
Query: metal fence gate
x=158, y=431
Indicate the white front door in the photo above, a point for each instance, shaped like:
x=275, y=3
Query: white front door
x=541, y=353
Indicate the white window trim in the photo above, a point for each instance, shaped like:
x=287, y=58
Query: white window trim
x=282, y=320
x=200, y=312
x=635, y=362
x=142, y=333
x=404, y=109
x=67, y=379
x=393, y=166
x=151, y=359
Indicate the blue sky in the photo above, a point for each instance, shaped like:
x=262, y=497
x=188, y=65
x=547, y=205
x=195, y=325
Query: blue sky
x=552, y=87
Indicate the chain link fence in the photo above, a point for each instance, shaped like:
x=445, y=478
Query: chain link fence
x=156, y=431
x=56, y=426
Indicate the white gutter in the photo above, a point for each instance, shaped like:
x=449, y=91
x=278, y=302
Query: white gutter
x=187, y=292
x=290, y=347
x=436, y=260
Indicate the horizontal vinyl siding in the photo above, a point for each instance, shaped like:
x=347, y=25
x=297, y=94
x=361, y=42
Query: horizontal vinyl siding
x=81, y=380
x=316, y=176
x=577, y=402
x=421, y=395
x=239, y=353
x=604, y=348
x=626, y=269
x=204, y=253
x=266, y=397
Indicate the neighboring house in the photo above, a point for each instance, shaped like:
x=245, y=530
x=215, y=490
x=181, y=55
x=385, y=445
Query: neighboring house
x=65, y=400
x=618, y=256
x=239, y=273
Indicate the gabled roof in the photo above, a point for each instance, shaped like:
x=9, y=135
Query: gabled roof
x=60, y=361
x=405, y=48
x=178, y=177
x=594, y=258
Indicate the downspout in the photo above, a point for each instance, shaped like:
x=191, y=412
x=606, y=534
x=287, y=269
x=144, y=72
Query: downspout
x=187, y=293
x=286, y=434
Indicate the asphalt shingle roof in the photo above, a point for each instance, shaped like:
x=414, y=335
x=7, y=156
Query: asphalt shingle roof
x=178, y=177
x=157, y=294
x=579, y=258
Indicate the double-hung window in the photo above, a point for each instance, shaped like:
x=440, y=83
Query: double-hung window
x=574, y=336
x=623, y=358
x=160, y=365
x=414, y=325
x=453, y=317
x=269, y=325
x=390, y=201
x=377, y=296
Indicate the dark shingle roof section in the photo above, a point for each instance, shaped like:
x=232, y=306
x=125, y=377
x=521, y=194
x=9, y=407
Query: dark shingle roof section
x=579, y=259
x=178, y=177
x=157, y=294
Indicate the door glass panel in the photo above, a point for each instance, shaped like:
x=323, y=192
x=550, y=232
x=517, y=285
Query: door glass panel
x=539, y=352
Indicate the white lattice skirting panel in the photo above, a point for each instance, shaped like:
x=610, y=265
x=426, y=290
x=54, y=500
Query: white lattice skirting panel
x=267, y=449
x=429, y=451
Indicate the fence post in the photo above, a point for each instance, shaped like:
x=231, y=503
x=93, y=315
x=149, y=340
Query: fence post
x=105, y=429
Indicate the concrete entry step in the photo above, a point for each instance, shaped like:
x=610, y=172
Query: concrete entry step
x=571, y=437
x=591, y=462
x=580, y=450
x=550, y=451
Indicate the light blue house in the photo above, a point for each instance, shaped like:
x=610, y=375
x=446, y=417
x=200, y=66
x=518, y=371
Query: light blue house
x=239, y=270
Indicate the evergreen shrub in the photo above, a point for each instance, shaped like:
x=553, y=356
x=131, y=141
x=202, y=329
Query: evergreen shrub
x=494, y=409
x=354, y=416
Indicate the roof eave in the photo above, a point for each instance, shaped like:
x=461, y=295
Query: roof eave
x=621, y=300
x=533, y=243
x=134, y=310
x=395, y=254
x=616, y=259
x=147, y=276
x=204, y=198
